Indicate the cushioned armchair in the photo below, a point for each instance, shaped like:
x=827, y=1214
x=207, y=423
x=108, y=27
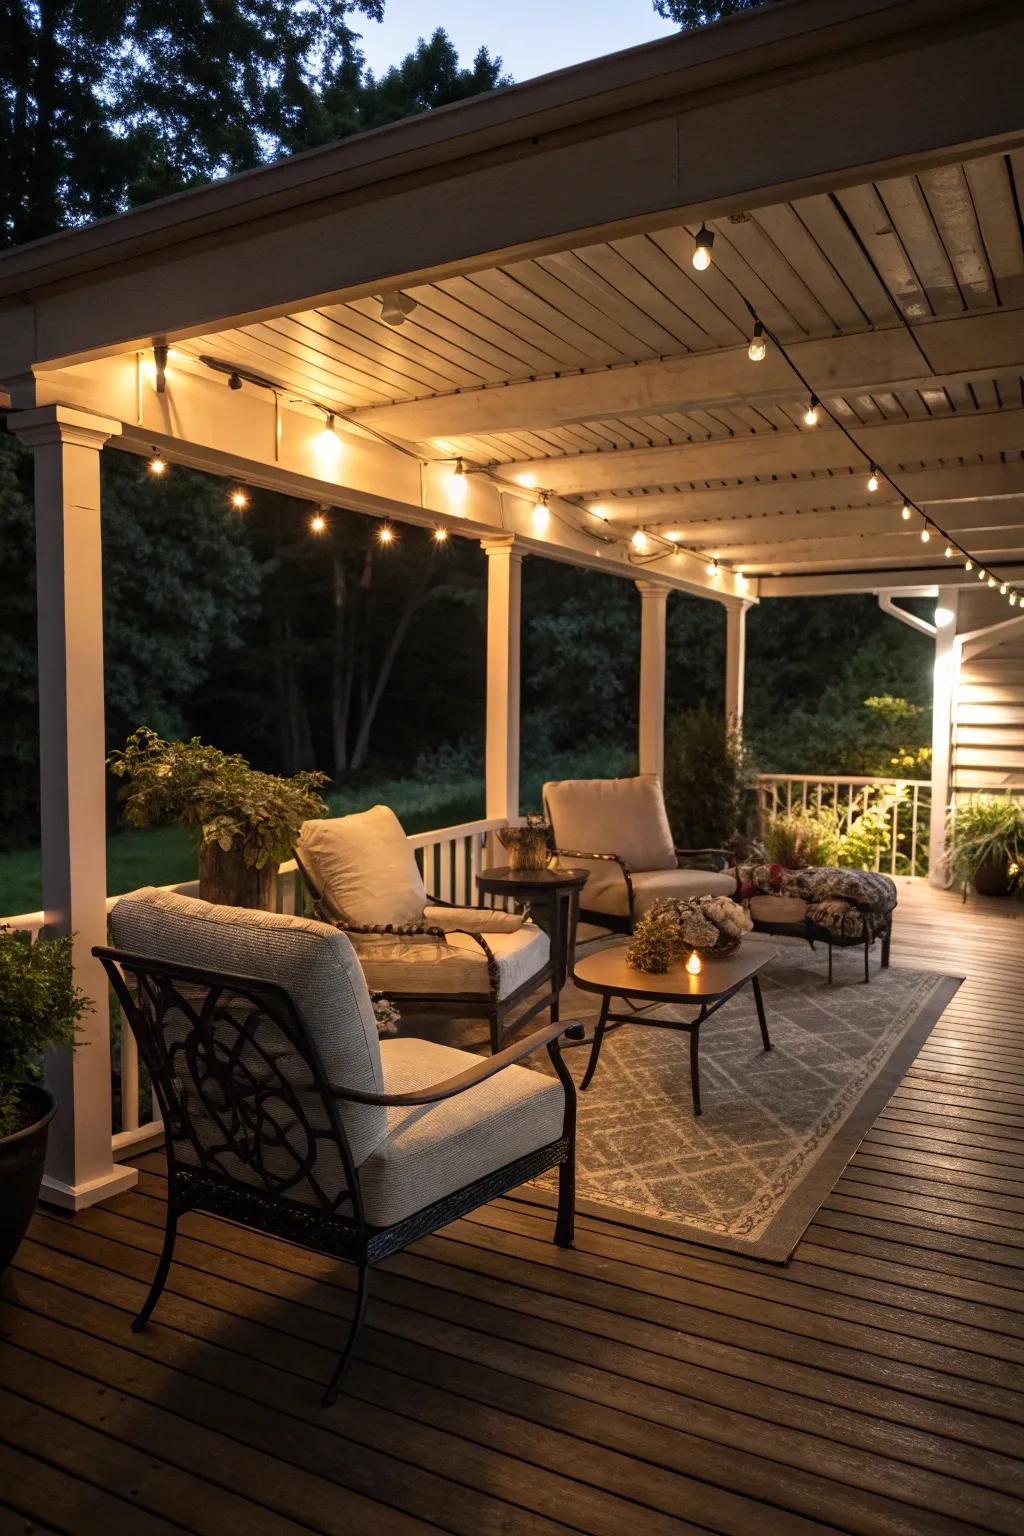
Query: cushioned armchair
x=285, y=1112
x=425, y=956
x=618, y=829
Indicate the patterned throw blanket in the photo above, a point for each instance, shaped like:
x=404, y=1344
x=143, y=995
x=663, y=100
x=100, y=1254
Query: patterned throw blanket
x=842, y=902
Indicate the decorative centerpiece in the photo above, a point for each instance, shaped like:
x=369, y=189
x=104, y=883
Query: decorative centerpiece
x=527, y=845
x=709, y=926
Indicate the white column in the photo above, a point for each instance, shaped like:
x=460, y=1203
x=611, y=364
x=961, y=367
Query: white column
x=945, y=679
x=504, y=601
x=651, y=733
x=735, y=659
x=80, y=1169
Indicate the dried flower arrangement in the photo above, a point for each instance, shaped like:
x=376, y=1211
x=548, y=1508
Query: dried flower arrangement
x=527, y=845
x=712, y=925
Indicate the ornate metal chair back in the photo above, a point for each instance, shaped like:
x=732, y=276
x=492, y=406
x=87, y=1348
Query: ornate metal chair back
x=240, y=1084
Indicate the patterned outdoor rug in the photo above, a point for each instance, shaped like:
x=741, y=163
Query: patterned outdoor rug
x=778, y=1128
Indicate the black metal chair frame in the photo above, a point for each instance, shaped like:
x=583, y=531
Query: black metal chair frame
x=473, y=1005
x=258, y=1110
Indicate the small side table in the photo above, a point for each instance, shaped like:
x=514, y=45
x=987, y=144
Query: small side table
x=607, y=974
x=553, y=899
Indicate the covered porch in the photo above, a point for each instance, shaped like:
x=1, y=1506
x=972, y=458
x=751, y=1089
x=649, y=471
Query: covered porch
x=489, y=322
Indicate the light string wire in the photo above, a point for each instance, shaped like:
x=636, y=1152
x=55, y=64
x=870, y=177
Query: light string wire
x=910, y=506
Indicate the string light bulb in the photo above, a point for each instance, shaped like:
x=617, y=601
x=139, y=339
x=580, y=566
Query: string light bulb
x=925, y=534
x=812, y=411
x=1013, y=599
x=991, y=581
x=905, y=512
x=541, y=514
x=949, y=551
x=968, y=564
x=157, y=465
x=639, y=541
x=758, y=346
x=702, y=248
x=318, y=522
x=239, y=499
x=385, y=534
x=1002, y=590
x=873, y=480
x=981, y=575
x=712, y=566
x=440, y=535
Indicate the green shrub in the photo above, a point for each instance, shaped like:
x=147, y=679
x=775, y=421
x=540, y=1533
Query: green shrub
x=708, y=779
x=805, y=839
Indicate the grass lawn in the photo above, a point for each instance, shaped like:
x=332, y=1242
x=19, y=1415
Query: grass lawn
x=165, y=855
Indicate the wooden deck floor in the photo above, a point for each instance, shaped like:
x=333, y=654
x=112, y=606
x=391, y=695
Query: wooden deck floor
x=634, y=1387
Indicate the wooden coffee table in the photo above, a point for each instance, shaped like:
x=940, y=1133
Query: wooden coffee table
x=607, y=974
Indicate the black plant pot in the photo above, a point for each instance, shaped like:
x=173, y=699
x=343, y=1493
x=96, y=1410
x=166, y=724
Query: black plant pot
x=992, y=876
x=21, y=1170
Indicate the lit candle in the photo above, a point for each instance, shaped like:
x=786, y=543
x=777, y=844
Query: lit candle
x=693, y=965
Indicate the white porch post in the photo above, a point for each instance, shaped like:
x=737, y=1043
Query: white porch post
x=651, y=734
x=946, y=676
x=80, y=1168
x=504, y=599
x=735, y=659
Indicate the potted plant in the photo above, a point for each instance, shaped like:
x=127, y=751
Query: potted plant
x=40, y=1007
x=245, y=823
x=985, y=844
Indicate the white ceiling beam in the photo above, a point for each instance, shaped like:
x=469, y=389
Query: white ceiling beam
x=990, y=522
x=771, y=453
x=924, y=581
x=960, y=351
x=938, y=488
x=583, y=155
x=245, y=435
x=860, y=549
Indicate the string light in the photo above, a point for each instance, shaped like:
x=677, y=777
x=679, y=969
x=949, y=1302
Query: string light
x=981, y=575
x=239, y=499
x=318, y=522
x=949, y=551
x=440, y=535
x=157, y=465
x=873, y=480
x=1002, y=590
x=811, y=413
x=712, y=566
x=702, y=248
x=758, y=346
x=991, y=581
x=925, y=534
x=905, y=512
x=1013, y=599
x=541, y=514
x=968, y=564
x=640, y=541
x=385, y=534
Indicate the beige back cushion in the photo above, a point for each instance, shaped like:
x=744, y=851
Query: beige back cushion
x=315, y=964
x=623, y=816
x=364, y=867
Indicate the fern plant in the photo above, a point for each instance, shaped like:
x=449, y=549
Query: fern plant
x=985, y=831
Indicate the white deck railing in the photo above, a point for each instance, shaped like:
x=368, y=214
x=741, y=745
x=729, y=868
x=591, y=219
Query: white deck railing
x=907, y=804
x=449, y=859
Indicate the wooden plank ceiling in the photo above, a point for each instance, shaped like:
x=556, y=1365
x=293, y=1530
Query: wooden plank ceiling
x=617, y=377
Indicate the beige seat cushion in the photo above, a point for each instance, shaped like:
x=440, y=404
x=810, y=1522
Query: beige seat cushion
x=605, y=891
x=364, y=868
x=313, y=962
x=432, y=1150
x=623, y=816
x=777, y=909
x=458, y=966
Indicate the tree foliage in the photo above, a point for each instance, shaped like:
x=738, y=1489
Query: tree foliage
x=697, y=13
x=40, y=1007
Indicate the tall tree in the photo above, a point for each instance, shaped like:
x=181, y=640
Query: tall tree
x=697, y=13
x=108, y=103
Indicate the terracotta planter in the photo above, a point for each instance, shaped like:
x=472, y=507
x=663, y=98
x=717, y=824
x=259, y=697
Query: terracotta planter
x=225, y=878
x=22, y=1157
x=992, y=876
